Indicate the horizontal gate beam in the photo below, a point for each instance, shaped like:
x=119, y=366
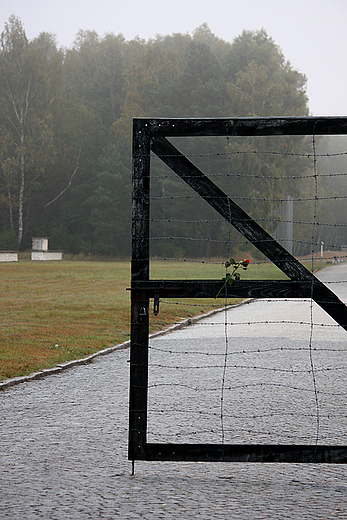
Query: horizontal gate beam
x=239, y=289
x=247, y=453
x=244, y=126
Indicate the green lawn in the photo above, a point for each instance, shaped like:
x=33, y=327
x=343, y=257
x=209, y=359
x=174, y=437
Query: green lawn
x=52, y=312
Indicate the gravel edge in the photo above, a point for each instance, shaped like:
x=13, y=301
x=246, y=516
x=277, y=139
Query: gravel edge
x=7, y=383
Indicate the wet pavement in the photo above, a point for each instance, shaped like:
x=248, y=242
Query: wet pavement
x=63, y=447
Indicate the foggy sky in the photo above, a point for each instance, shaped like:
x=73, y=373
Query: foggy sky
x=311, y=33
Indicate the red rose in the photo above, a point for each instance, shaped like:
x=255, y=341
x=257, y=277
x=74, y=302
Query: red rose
x=245, y=262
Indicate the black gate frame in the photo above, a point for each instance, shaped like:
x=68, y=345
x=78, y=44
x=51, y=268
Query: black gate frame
x=150, y=135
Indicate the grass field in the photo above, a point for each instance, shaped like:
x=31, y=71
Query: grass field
x=52, y=312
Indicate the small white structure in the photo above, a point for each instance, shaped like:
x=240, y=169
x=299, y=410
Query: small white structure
x=39, y=244
x=8, y=256
x=46, y=255
x=40, y=250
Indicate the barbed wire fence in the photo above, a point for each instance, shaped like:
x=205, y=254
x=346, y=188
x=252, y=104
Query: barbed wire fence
x=270, y=371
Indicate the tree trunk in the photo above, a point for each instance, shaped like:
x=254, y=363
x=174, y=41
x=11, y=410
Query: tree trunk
x=21, y=202
x=10, y=207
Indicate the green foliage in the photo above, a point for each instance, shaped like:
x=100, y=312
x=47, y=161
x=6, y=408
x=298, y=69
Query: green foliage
x=65, y=166
x=8, y=240
x=234, y=275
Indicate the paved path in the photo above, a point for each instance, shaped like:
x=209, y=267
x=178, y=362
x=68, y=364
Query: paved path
x=63, y=455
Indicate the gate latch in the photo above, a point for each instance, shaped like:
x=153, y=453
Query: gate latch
x=156, y=304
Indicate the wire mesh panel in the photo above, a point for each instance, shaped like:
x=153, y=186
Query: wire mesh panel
x=260, y=389
x=263, y=381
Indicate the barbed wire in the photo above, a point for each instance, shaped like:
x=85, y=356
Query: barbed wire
x=264, y=300
x=202, y=261
x=199, y=389
x=226, y=338
x=260, y=219
x=307, y=370
x=183, y=375
x=313, y=368
x=256, y=199
x=258, y=176
x=308, y=155
x=299, y=439
x=212, y=240
x=253, y=351
x=244, y=416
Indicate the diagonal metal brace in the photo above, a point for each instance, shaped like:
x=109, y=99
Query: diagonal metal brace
x=248, y=227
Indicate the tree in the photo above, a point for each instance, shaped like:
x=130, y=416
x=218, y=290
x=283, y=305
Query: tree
x=261, y=83
x=26, y=125
x=65, y=129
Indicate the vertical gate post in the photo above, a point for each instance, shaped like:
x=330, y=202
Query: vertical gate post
x=139, y=299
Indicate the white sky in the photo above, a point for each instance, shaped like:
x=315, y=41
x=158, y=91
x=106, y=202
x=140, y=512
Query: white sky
x=311, y=33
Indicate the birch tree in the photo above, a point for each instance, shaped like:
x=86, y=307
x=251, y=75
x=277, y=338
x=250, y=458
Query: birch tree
x=26, y=126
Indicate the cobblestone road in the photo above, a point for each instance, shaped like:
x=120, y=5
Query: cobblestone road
x=64, y=456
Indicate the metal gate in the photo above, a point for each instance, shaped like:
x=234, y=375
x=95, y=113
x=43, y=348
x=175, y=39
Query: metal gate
x=150, y=135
